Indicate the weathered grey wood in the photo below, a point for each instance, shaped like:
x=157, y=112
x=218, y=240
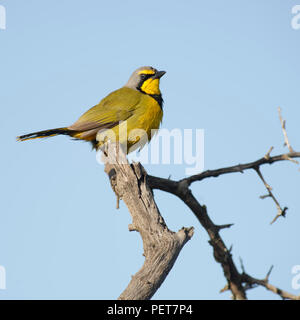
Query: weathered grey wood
x=161, y=246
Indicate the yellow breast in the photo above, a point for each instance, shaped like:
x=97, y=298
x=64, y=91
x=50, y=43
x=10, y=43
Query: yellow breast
x=139, y=128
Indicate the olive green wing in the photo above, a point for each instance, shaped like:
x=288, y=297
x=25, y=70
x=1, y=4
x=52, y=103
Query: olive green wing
x=117, y=106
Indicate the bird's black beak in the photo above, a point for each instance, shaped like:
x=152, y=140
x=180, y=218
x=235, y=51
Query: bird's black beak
x=158, y=74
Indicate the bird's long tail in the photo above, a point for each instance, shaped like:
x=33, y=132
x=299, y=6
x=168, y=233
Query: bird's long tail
x=46, y=133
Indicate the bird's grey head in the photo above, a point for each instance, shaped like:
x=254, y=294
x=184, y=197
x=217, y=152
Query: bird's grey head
x=141, y=75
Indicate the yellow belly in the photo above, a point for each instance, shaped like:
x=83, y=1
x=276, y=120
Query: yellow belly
x=136, y=131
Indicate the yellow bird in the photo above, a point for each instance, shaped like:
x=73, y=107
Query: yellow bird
x=127, y=115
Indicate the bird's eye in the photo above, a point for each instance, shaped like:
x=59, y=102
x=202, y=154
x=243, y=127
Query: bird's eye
x=143, y=76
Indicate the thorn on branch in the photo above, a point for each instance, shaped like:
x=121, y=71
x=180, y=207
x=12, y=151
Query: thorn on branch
x=224, y=226
x=242, y=265
x=240, y=169
x=268, y=274
x=267, y=155
x=226, y=288
x=264, y=196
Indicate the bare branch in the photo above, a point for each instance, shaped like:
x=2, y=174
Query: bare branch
x=250, y=282
x=161, y=246
x=221, y=254
x=133, y=186
x=169, y=185
x=240, y=167
x=283, y=123
x=280, y=212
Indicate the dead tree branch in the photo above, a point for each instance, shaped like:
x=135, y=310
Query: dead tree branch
x=241, y=167
x=251, y=282
x=280, y=212
x=265, y=283
x=283, y=123
x=161, y=246
x=222, y=255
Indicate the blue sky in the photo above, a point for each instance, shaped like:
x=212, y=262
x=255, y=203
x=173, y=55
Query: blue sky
x=229, y=65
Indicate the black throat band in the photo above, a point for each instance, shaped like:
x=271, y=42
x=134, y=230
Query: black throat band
x=157, y=97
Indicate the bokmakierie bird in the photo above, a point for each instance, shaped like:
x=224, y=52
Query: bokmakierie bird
x=122, y=116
